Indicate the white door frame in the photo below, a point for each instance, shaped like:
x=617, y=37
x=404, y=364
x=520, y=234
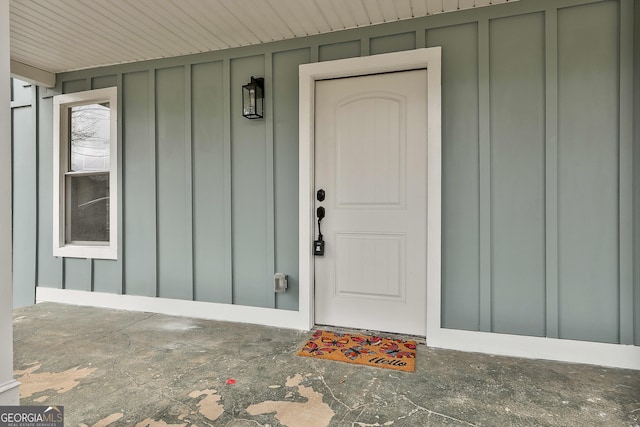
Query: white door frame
x=429, y=58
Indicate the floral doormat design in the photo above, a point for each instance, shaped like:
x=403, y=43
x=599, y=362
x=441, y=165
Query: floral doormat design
x=362, y=350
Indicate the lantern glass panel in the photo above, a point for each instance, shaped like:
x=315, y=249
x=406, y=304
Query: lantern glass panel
x=253, y=99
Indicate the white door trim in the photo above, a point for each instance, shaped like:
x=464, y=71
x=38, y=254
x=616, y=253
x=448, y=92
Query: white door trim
x=429, y=58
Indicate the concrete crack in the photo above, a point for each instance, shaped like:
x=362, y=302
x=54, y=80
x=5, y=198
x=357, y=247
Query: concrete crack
x=356, y=420
x=430, y=412
x=244, y=419
x=334, y=396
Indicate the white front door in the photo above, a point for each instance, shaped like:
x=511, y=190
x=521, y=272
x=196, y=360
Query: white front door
x=371, y=162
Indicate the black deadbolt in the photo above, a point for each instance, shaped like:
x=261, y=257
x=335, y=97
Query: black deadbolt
x=320, y=195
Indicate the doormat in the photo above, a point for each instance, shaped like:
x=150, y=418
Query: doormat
x=362, y=350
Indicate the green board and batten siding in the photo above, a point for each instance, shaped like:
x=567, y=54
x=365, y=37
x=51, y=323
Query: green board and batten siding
x=541, y=170
x=25, y=188
x=516, y=85
x=635, y=210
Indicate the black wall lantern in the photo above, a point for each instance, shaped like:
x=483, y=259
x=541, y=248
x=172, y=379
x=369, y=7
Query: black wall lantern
x=253, y=99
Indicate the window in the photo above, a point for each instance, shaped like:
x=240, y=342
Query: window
x=85, y=174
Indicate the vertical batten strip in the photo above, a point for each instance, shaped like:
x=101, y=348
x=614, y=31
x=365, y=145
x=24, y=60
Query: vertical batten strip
x=551, y=171
x=90, y=266
x=636, y=178
x=35, y=93
x=626, y=172
x=270, y=178
x=421, y=38
x=228, y=246
x=63, y=267
x=484, y=105
x=154, y=144
x=92, y=285
x=120, y=160
x=315, y=53
x=188, y=170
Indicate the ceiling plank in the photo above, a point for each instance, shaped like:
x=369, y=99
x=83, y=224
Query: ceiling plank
x=68, y=35
x=373, y=10
x=466, y=4
x=404, y=9
x=435, y=6
x=389, y=12
x=419, y=7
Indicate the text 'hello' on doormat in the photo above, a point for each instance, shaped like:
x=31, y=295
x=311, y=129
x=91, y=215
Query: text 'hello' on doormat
x=362, y=350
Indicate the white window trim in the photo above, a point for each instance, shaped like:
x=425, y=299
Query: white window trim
x=61, y=103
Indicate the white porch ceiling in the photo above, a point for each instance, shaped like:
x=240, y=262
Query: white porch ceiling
x=64, y=35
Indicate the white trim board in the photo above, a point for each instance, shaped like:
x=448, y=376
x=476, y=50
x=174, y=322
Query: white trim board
x=613, y=355
x=430, y=59
x=32, y=74
x=10, y=393
x=61, y=163
x=174, y=307
x=9, y=388
x=563, y=350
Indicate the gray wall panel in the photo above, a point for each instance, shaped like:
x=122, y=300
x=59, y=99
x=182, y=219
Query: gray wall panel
x=20, y=92
x=393, y=43
x=285, y=92
x=139, y=186
x=71, y=86
x=173, y=186
x=25, y=178
x=49, y=267
x=103, y=81
x=636, y=172
x=517, y=174
x=210, y=222
x=107, y=276
x=330, y=52
x=77, y=274
x=625, y=167
x=588, y=172
x=252, y=277
x=460, y=197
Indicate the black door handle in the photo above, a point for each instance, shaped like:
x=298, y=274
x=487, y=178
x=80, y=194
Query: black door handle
x=318, y=245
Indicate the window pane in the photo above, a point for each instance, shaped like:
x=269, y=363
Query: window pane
x=89, y=136
x=88, y=208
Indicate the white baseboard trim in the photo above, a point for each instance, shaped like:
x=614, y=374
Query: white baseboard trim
x=10, y=393
x=592, y=353
x=174, y=307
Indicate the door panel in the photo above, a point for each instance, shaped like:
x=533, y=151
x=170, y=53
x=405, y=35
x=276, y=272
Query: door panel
x=370, y=266
x=371, y=157
x=370, y=151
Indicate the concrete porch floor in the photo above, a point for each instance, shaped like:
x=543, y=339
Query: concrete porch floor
x=119, y=368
